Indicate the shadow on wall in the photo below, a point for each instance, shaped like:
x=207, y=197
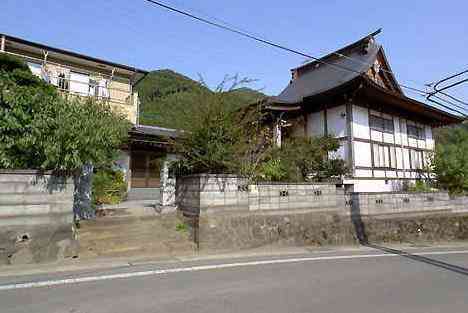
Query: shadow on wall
x=54, y=182
x=360, y=229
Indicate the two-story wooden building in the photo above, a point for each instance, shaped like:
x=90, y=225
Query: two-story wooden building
x=78, y=74
x=352, y=94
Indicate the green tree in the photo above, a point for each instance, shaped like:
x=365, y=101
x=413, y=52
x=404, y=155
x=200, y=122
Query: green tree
x=307, y=158
x=450, y=163
x=217, y=137
x=41, y=129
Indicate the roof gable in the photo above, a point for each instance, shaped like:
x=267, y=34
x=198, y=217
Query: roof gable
x=331, y=71
x=381, y=73
x=363, y=58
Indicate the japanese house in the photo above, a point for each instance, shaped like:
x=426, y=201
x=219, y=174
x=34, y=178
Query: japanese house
x=85, y=76
x=352, y=94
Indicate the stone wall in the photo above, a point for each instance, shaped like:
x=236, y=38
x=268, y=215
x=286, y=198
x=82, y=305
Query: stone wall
x=225, y=232
x=36, y=217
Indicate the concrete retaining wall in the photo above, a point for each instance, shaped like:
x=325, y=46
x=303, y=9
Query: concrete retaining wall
x=36, y=217
x=212, y=193
x=225, y=232
x=228, y=214
x=292, y=196
x=405, y=203
x=198, y=194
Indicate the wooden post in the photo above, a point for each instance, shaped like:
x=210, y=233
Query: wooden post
x=2, y=44
x=349, y=127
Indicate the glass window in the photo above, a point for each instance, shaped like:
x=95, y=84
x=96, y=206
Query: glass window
x=416, y=132
x=381, y=124
x=388, y=125
x=62, y=82
x=376, y=123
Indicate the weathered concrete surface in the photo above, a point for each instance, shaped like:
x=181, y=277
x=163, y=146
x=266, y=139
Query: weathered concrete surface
x=243, y=231
x=36, y=217
x=213, y=193
x=309, y=228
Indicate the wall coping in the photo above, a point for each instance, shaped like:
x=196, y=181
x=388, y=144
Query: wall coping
x=333, y=183
x=398, y=193
x=293, y=183
x=212, y=175
x=24, y=172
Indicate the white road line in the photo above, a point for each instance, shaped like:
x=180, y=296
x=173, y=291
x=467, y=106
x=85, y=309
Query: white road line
x=49, y=283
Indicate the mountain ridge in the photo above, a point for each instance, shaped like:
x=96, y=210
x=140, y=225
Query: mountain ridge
x=164, y=87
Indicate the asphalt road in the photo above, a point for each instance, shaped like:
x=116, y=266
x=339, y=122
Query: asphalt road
x=365, y=281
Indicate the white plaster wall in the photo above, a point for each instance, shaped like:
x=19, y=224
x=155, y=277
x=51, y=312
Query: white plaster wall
x=379, y=173
x=376, y=185
x=360, y=122
x=315, y=124
x=371, y=185
x=376, y=135
x=362, y=154
x=363, y=173
x=388, y=138
x=336, y=121
x=429, y=138
x=412, y=142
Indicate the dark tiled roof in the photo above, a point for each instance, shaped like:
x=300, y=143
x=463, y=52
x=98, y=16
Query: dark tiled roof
x=325, y=76
x=155, y=131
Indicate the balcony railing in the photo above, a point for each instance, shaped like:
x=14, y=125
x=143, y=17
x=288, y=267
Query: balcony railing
x=98, y=85
x=100, y=91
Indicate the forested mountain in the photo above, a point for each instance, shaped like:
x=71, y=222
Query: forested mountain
x=165, y=91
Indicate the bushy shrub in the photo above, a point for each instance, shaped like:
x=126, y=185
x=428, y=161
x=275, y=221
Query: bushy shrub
x=109, y=187
x=305, y=159
x=272, y=170
x=41, y=129
x=419, y=186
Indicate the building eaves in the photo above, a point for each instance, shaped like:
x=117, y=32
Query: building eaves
x=73, y=54
x=155, y=131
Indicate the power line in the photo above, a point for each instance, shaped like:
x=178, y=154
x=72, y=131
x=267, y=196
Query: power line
x=453, y=98
x=437, y=90
x=451, y=103
x=267, y=42
x=446, y=107
x=448, y=78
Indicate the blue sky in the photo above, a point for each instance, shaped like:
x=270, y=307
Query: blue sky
x=424, y=40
